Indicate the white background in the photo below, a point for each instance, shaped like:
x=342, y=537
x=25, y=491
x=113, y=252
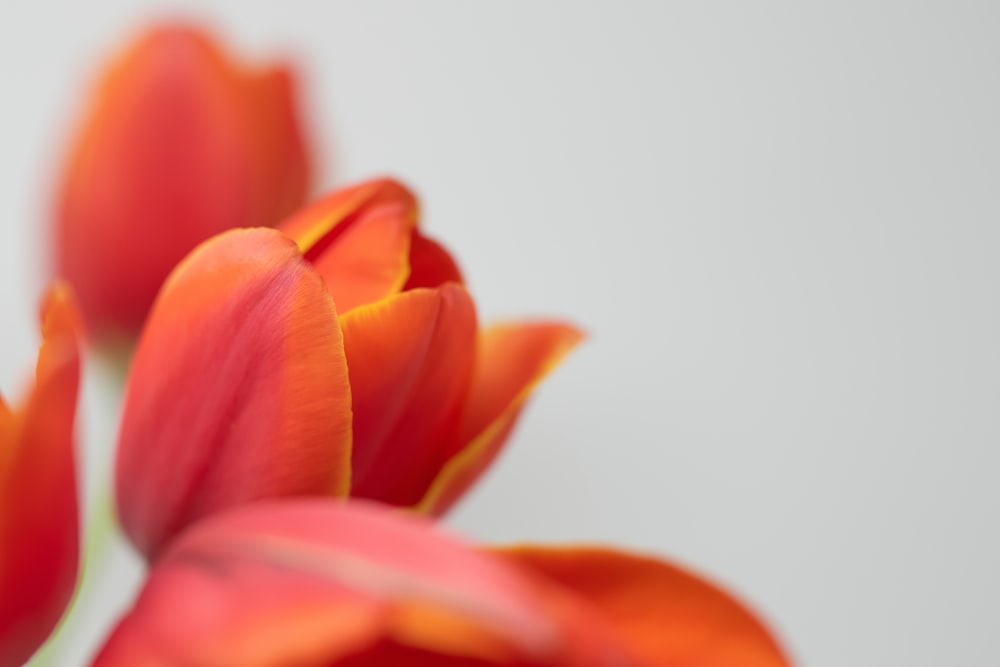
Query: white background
x=777, y=220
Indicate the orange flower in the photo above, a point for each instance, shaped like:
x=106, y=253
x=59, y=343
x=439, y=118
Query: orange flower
x=314, y=582
x=39, y=538
x=178, y=143
x=249, y=382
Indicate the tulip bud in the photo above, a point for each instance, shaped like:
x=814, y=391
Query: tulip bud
x=39, y=539
x=177, y=144
x=339, y=355
x=238, y=389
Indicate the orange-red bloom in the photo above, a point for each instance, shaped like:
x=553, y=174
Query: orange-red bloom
x=178, y=143
x=319, y=583
x=39, y=538
x=338, y=356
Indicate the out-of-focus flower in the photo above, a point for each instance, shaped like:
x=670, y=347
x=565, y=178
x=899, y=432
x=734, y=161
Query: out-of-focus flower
x=178, y=143
x=39, y=538
x=249, y=382
x=315, y=582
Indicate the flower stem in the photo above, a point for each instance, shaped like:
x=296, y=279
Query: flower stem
x=100, y=530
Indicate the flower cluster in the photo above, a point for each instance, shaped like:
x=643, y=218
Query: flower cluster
x=309, y=390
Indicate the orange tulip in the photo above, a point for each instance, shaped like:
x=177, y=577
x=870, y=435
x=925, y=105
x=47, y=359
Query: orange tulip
x=314, y=582
x=39, y=538
x=338, y=356
x=178, y=143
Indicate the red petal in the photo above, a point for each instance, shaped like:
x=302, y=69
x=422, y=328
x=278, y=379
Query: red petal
x=430, y=264
x=510, y=362
x=662, y=613
x=238, y=389
x=316, y=582
x=316, y=226
x=410, y=359
x=39, y=541
x=6, y=424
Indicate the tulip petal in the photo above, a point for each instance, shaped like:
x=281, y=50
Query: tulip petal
x=178, y=143
x=410, y=360
x=39, y=526
x=510, y=362
x=430, y=264
x=310, y=582
x=7, y=425
x=282, y=165
x=369, y=260
x=358, y=238
x=238, y=389
x=662, y=613
x=317, y=225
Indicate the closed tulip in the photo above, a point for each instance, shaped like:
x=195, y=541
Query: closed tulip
x=340, y=356
x=178, y=143
x=318, y=583
x=39, y=538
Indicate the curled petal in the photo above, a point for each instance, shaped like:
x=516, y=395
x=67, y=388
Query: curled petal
x=369, y=260
x=410, y=359
x=310, y=582
x=39, y=526
x=316, y=226
x=358, y=238
x=662, y=613
x=510, y=361
x=238, y=389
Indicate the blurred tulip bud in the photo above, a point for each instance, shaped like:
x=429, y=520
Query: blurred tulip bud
x=39, y=528
x=177, y=143
x=339, y=355
x=314, y=582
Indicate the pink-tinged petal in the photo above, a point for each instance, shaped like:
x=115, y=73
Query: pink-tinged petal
x=310, y=582
x=39, y=526
x=178, y=143
x=510, y=362
x=664, y=614
x=431, y=265
x=238, y=390
x=410, y=359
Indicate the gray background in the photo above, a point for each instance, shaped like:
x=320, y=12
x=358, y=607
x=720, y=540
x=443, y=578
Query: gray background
x=777, y=220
